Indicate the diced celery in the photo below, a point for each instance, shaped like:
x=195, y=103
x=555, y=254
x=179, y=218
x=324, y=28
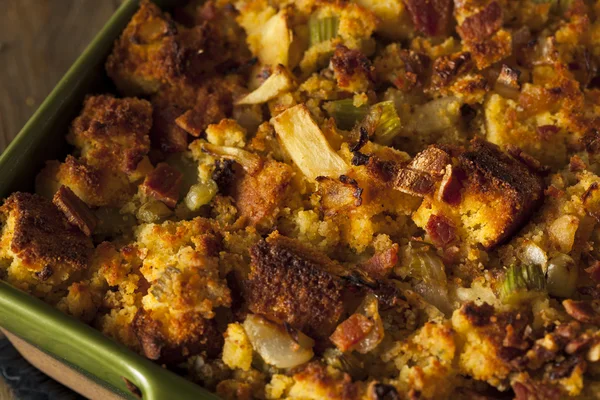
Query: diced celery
x=345, y=114
x=322, y=29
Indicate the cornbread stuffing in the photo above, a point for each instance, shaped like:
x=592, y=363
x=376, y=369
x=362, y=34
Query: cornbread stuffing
x=335, y=199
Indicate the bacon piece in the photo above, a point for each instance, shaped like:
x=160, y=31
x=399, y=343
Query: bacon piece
x=451, y=185
x=441, y=230
x=432, y=160
x=381, y=264
x=525, y=158
x=351, y=332
x=480, y=26
x=430, y=16
x=76, y=211
x=414, y=182
x=582, y=311
x=163, y=184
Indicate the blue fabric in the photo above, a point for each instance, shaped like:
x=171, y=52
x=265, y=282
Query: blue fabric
x=26, y=381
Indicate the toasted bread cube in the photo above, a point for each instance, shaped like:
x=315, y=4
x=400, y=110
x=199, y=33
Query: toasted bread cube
x=290, y=283
x=95, y=186
x=483, y=332
x=141, y=61
x=260, y=196
x=112, y=133
x=485, y=198
x=40, y=245
x=172, y=340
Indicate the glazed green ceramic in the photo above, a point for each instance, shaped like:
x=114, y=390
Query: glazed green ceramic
x=61, y=336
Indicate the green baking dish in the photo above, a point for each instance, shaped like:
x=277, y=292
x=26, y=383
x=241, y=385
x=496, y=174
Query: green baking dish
x=57, y=334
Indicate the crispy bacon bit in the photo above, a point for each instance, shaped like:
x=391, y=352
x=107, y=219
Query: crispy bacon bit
x=441, y=230
x=446, y=68
x=351, y=332
x=163, y=184
x=430, y=16
x=76, y=211
x=547, y=132
x=528, y=160
x=480, y=26
x=576, y=164
x=451, y=185
x=414, y=182
x=381, y=264
x=432, y=160
x=582, y=311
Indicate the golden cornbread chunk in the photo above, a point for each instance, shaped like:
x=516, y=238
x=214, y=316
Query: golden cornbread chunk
x=483, y=198
x=112, y=133
x=39, y=244
x=95, y=186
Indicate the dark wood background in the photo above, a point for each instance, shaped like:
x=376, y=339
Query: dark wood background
x=39, y=40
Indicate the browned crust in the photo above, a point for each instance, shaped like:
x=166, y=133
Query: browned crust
x=447, y=68
x=489, y=170
x=291, y=285
x=349, y=64
x=113, y=132
x=481, y=25
x=258, y=197
x=194, y=335
x=42, y=235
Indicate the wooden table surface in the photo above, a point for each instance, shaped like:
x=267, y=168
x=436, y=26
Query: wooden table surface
x=39, y=40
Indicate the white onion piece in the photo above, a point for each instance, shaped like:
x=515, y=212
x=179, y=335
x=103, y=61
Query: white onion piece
x=562, y=232
x=532, y=254
x=275, y=345
x=370, y=309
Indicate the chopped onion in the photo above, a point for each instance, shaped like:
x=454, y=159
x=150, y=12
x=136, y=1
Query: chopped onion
x=370, y=309
x=532, y=254
x=276, y=345
x=562, y=232
x=249, y=161
x=428, y=273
